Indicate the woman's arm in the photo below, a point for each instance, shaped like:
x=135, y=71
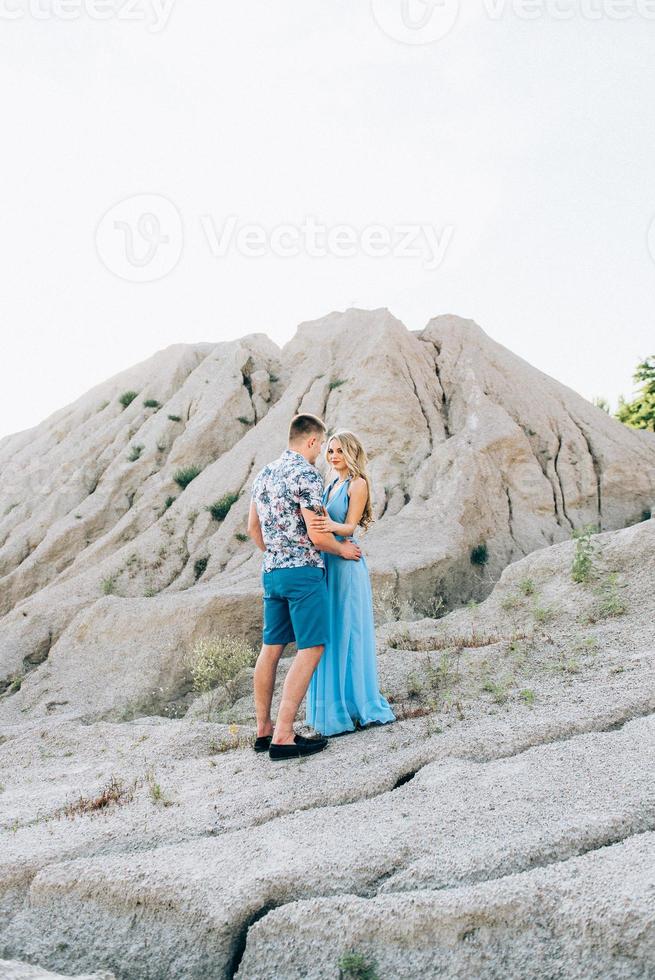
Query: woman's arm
x=356, y=505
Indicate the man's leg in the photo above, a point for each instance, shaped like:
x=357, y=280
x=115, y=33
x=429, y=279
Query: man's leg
x=264, y=682
x=294, y=690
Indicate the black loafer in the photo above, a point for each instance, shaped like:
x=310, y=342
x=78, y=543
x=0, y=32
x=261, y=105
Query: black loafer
x=302, y=746
x=262, y=743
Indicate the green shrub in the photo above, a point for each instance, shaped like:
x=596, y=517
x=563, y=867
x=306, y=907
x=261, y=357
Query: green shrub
x=609, y=603
x=169, y=501
x=527, y=586
x=200, y=566
x=240, y=536
x=221, y=508
x=175, y=418
x=184, y=476
x=354, y=966
x=244, y=420
x=152, y=403
x=479, y=555
x=336, y=383
x=510, y=601
x=414, y=685
x=216, y=661
x=127, y=398
x=497, y=689
x=134, y=453
x=582, y=567
x=108, y=585
x=542, y=614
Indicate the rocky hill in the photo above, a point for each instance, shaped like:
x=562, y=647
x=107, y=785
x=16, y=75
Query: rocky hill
x=502, y=827
x=109, y=568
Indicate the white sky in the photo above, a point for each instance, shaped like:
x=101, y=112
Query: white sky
x=532, y=139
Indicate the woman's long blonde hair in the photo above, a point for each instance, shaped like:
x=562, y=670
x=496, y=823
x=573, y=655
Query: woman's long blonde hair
x=355, y=458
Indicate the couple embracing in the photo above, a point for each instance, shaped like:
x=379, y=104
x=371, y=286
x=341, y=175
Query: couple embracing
x=317, y=592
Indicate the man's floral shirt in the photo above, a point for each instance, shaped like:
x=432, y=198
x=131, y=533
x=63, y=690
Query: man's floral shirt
x=279, y=491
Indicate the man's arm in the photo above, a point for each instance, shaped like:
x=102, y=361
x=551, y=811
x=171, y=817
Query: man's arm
x=325, y=541
x=255, y=528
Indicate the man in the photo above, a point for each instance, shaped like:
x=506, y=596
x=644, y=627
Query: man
x=285, y=494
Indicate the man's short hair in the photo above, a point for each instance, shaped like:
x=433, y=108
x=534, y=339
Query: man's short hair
x=304, y=426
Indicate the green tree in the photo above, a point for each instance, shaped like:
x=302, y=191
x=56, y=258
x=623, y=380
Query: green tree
x=640, y=413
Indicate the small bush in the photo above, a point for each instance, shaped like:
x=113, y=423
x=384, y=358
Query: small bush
x=510, y=602
x=152, y=403
x=134, y=453
x=432, y=608
x=244, y=420
x=240, y=536
x=354, y=966
x=168, y=502
x=108, y=585
x=200, y=567
x=127, y=398
x=221, y=508
x=156, y=793
x=527, y=696
x=184, y=476
x=15, y=684
x=527, y=586
x=386, y=604
x=336, y=383
x=175, y=418
x=216, y=661
x=273, y=378
x=479, y=555
x=235, y=741
x=582, y=567
x=542, y=614
x=609, y=603
x=111, y=794
x=497, y=690
x=414, y=685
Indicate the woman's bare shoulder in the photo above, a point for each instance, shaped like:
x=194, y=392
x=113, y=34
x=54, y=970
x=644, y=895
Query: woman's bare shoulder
x=358, y=485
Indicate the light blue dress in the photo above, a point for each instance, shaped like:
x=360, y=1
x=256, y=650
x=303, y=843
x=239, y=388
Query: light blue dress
x=344, y=687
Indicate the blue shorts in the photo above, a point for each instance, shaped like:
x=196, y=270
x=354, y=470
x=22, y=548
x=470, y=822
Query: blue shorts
x=296, y=606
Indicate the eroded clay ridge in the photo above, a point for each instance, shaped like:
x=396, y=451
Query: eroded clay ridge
x=101, y=548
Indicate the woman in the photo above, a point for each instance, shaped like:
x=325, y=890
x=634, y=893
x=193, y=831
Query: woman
x=343, y=692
